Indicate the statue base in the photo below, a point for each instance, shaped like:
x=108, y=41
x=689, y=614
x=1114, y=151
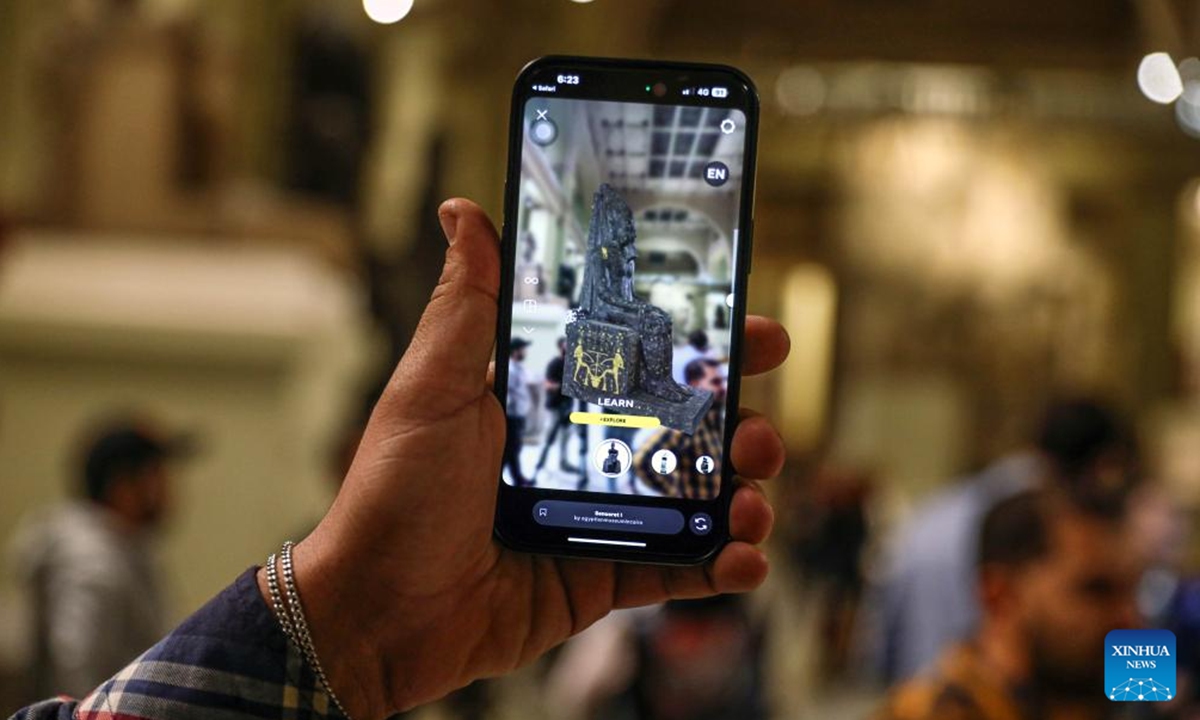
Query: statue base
x=604, y=366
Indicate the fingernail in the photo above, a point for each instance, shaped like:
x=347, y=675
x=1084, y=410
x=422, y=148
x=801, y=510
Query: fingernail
x=448, y=217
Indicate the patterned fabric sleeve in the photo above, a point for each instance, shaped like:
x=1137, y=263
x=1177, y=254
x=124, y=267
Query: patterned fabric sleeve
x=229, y=661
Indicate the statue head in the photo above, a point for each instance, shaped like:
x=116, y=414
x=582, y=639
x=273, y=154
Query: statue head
x=610, y=250
x=612, y=227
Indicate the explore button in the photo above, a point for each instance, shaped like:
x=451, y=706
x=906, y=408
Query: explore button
x=611, y=420
x=594, y=516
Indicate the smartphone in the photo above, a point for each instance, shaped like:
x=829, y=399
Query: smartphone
x=628, y=217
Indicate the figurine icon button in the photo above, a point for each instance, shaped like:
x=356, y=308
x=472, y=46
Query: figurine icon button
x=664, y=462
x=612, y=458
x=705, y=464
x=716, y=173
x=701, y=524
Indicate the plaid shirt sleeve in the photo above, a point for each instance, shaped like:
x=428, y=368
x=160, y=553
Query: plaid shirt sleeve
x=229, y=661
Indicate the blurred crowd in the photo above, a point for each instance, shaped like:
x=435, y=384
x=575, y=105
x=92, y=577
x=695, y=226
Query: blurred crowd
x=992, y=599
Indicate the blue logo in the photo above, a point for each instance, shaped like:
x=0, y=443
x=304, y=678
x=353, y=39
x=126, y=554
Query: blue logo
x=1139, y=665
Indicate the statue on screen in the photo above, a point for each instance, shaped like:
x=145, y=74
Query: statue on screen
x=619, y=346
x=612, y=463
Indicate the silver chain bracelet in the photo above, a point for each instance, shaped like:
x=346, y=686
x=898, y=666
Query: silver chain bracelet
x=277, y=602
x=290, y=614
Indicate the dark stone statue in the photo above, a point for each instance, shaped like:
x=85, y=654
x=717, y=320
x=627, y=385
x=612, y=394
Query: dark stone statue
x=618, y=346
x=612, y=463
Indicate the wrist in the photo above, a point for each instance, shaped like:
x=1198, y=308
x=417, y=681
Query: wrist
x=344, y=648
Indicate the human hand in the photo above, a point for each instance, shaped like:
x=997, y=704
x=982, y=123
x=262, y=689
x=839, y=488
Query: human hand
x=407, y=594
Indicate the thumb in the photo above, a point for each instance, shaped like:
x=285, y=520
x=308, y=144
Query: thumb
x=445, y=366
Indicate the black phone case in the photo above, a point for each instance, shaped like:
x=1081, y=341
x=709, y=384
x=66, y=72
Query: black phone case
x=514, y=526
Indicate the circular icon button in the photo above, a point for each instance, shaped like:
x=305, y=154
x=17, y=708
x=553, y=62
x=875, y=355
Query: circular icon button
x=543, y=131
x=612, y=458
x=716, y=173
x=664, y=462
x=705, y=464
x=701, y=524
x=728, y=126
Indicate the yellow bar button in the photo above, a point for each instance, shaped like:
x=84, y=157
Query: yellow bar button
x=630, y=421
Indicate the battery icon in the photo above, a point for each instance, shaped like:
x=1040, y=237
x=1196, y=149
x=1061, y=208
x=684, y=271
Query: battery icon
x=720, y=92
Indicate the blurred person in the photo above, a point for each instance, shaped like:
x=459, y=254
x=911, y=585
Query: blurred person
x=89, y=568
x=560, y=407
x=926, y=601
x=1169, y=594
x=688, y=660
x=402, y=590
x=1054, y=577
x=687, y=481
x=699, y=660
x=833, y=557
x=697, y=347
x=1183, y=619
x=520, y=404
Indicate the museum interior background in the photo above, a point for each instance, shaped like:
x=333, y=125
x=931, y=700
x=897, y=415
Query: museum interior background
x=221, y=213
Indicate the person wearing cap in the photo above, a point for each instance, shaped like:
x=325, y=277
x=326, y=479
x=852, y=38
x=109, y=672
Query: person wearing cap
x=520, y=402
x=88, y=565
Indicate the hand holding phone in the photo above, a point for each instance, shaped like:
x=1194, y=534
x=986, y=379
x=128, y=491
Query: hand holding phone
x=407, y=593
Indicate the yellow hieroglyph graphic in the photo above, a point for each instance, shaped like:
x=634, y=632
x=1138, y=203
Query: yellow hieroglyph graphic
x=599, y=372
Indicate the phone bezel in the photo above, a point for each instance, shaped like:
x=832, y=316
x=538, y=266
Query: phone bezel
x=514, y=524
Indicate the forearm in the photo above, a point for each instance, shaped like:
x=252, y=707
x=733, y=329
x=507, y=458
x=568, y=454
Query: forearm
x=230, y=656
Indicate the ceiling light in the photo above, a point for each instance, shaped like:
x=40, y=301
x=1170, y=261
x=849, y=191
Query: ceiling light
x=1159, y=78
x=386, y=12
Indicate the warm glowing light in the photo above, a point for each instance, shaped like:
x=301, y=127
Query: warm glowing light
x=800, y=90
x=581, y=2
x=386, y=12
x=809, y=311
x=1159, y=78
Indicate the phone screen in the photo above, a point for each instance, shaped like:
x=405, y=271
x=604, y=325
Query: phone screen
x=623, y=330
